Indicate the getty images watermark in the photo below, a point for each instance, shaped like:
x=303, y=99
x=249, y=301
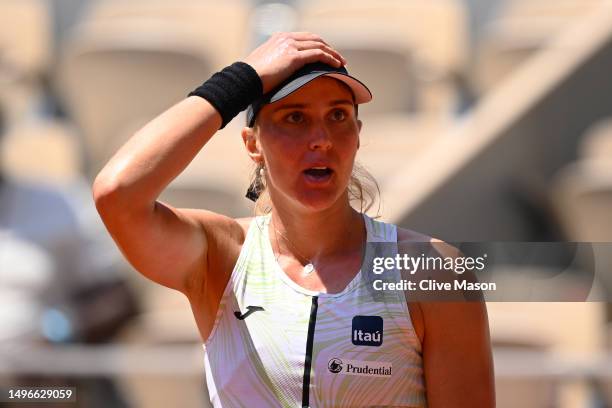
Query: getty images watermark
x=493, y=271
x=410, y=265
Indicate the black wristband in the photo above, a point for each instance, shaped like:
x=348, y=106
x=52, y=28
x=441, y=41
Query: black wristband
x=231, y=90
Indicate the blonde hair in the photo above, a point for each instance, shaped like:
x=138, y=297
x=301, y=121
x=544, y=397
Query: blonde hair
x=362, y=188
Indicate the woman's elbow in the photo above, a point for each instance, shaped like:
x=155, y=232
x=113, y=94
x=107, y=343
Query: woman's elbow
x=107, y=193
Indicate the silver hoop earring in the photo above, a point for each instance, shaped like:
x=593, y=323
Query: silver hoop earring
x=262, y=172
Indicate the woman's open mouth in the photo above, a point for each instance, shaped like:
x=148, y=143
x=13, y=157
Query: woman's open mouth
x=318, y=174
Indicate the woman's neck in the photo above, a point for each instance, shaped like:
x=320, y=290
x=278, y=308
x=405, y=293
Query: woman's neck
x=318, y=235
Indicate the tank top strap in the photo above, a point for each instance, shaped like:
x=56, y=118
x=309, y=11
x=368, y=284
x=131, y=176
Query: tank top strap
x=381, y=243
x=252, y=242
x=251, y=248
x=380, y=231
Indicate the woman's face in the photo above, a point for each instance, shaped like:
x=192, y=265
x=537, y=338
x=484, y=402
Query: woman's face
x=308, y=141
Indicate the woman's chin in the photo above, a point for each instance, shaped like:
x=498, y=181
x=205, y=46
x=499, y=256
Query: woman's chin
x=319, y=200
x=311, y=197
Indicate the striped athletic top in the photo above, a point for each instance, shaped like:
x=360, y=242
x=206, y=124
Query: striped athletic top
x=276, y=344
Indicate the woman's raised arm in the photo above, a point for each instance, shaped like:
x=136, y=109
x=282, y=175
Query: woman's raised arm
x=165, y=244
x=169, y=245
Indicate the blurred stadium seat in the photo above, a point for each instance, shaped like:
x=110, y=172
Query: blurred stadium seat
x=432, y=37
x=166, y=319
x=387, y=140
x=525, y=393
x=127, y=62
x=25, y=53
x=107, y=83
x=202, y=20
x=582, y=192
x=522, y=28
x=42, y=150
x=541, y=327
x=25, y=29
x=597, y=141
x=387, y=70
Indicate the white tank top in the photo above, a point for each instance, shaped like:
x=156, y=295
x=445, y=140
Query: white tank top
x=276, y=344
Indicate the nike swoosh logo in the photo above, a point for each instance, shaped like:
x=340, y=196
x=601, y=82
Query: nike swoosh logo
x=250, y=309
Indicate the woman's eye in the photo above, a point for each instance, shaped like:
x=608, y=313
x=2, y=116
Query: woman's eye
x=338, y=115
x=295, y=117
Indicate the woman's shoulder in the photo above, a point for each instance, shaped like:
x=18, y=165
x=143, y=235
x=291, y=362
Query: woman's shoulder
x=225, y=237
x=223, y=233
x=426, y=314
x=219, y=225
x=407, y=236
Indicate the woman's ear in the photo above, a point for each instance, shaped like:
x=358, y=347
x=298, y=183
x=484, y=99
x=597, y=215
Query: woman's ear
x=251, y=143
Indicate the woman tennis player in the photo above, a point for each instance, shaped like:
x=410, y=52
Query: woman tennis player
x=282, y=300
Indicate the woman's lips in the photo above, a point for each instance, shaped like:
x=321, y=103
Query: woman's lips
x=318, y=175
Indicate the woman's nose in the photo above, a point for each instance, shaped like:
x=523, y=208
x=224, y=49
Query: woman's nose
x=320, y=139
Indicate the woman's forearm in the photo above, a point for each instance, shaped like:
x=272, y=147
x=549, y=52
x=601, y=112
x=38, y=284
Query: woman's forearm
x=157, y=154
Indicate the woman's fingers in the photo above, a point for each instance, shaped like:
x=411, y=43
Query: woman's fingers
x=310, y=44
x=305, y=36
x=283, y=53
x=318, y=55
x=303, y=40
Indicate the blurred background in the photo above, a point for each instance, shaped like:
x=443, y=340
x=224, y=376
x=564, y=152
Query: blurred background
x=491, y=121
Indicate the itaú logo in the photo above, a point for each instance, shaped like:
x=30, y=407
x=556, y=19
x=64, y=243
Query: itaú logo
x=359, y=336
x=359, y=367
x=367, y=331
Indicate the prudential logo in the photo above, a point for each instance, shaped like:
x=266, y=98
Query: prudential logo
x=360, y=368
x=335, y=365
x=367, y=331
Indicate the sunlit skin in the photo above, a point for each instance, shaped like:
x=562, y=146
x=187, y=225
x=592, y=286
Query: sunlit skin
x=314, y=126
